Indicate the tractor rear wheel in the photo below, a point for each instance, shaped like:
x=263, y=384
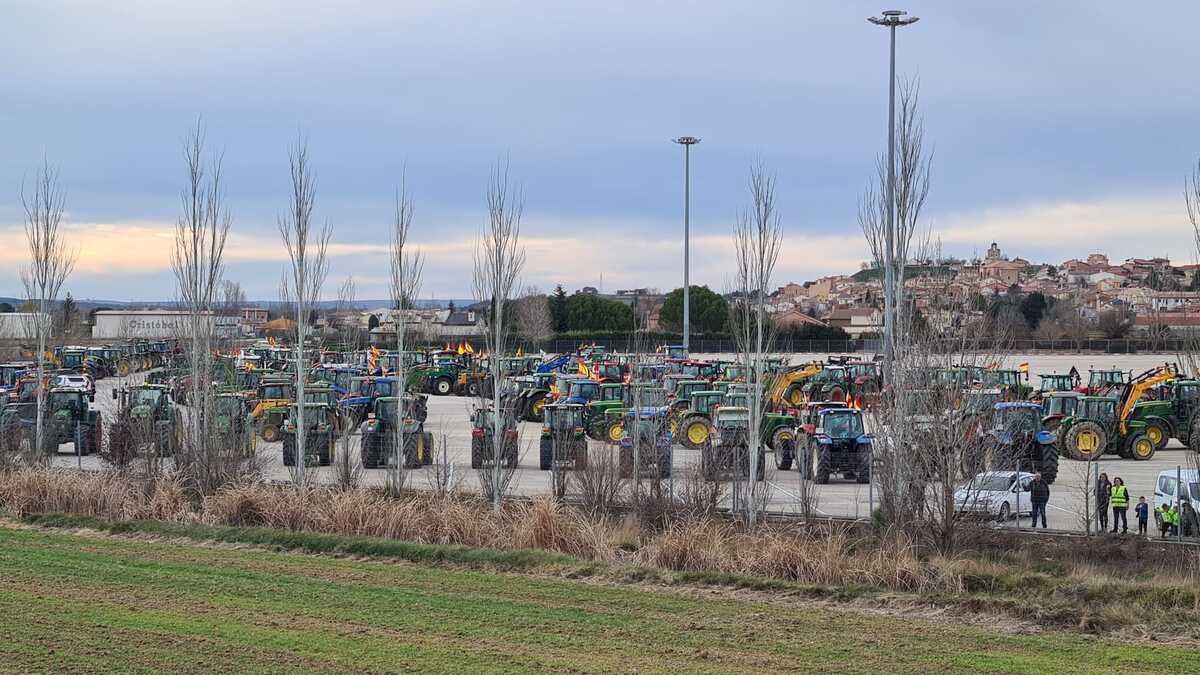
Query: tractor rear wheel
x=1085, y=441
x=1141, y=447
x=695, y=431
x=476, y=453
x=783, y=442
x=794, y=396
x=820, y=465
x=835, y=393
x=545, y=454
x=614, y=432
x=1049, y=463
x=864, y=467
x=537, y=410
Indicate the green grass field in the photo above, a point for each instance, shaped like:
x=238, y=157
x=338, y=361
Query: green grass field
x=79, y=603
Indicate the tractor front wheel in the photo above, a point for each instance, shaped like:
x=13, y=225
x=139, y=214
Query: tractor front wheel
x=1158, y=432
x=820, y=465
x=695, y=432
x=615, y=432
x=782, y=441
x=442, y=386
x=1141, y=447
x=270, y=433
x=1049, y=468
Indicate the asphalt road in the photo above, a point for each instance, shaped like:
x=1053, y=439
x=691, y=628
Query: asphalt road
x=449, y=422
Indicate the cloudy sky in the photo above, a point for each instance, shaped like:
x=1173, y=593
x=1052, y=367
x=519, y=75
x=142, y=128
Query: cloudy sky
x=1058, y=129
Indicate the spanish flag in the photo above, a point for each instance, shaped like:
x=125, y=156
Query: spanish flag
x=583, y=370
x=1024, y=368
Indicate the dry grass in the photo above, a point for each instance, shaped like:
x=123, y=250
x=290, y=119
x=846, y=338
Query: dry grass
x=1054, y=592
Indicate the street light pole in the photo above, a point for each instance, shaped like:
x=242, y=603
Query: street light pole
x=892, y=19
x=687, y=142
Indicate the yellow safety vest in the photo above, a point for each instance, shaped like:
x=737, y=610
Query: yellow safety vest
x=1119, y=497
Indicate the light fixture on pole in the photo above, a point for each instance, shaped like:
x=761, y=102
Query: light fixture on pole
x=687, y=142
x=890, y=19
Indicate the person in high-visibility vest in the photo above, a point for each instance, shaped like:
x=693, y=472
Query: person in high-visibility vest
x=1118, y=498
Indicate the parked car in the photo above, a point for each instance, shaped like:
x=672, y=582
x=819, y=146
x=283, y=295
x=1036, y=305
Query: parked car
x=76, y=381
x=996, y=494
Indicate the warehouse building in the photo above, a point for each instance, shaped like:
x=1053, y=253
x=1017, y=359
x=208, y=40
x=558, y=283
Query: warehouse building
x=154, y=324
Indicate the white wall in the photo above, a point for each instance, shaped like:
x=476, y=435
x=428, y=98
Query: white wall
x=21, y=325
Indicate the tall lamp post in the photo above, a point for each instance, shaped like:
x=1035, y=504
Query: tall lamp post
x=891, y=19
x=687, y=142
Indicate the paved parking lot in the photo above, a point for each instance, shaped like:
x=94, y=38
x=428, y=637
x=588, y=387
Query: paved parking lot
x=449, y=420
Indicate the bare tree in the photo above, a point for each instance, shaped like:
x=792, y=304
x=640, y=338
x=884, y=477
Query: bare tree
x=406, y=268
x=911, y=189
x=756, y=243
x=531, y=315
x=233, y=298
x=306, y=249
x=198, y=263
x=348, y=470
x=499, y=259
x=49, y=265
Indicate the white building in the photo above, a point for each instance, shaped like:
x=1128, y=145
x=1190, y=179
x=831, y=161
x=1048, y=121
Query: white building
x=21, y=325
x=118, y=324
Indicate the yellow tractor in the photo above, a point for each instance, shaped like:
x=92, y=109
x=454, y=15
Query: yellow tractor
x=786, y=388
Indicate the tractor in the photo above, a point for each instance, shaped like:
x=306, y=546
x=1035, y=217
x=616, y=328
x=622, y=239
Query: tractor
x=69, y=419
x=1057, y=406
x=1018, y=442
x=695, y=426
x=379, y=436
x=786, y=389
x=270, y=406
x=146, y=418
x=595, y=419
x=1100, y=382
x=1115, y=424
x=838, y=444
x=1055, y=382
x=645, y=396
x=1008, y=382
x=483, y=451
x=532, y=395
x=320, y=432
x=232, y=425
x=804, y=426
x=645, y=444
x=563, y=444
x=1175, y=410
x=726, y=453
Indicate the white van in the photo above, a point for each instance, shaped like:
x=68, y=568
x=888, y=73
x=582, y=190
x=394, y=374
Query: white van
x=1167, y=489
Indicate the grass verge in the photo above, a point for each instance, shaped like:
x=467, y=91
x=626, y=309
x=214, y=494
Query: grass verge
x=115, y=603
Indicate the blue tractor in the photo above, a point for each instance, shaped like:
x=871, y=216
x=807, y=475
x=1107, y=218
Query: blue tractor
x=1018, y=441
x=646, y=442
x=838, y=443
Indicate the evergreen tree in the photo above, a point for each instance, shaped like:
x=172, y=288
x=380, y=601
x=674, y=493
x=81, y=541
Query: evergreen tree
x=558, y=309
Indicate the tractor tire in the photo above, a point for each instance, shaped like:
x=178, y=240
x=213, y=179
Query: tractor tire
x=1141, y=447
x=270, y=433
x=820, y=466
x=760, y=473
x=694, y=431
x=289, y=452
x=1085, y=441
x=1194, y=434
x=835, y=393
x=581, y=456
x=427, y=451
x=614, y=432
x=546, y=454
x=476, y=453
x=708, y=471
x=1049, y=463
x=863, y=475
x=664, y=463
x=804, y=461
x=794, y=396
x=325, y=454
x=784, y=443
x=1158, y=431
x=442, y=386
x=537, y=409
x=368, y=453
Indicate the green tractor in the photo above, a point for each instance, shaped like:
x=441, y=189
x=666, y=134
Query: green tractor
x=147, y=419
x=1008, y=381
x=777, y=430
x=1095, y=429
x=232, y=425
x=595, y=413
x=1057, y=406
x=563, y=444
x=70, y=419
x=1173, y=414
x=1055, y=382
x=320, y=432
x=532, y=395
x=379, y=437
x=726, y=453
x=1100, y=382
x=695, y=425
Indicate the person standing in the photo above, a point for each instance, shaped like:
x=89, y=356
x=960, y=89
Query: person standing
x=1142, y=510
x=1039, y=495
x=1103, y=492
x=1119, y=499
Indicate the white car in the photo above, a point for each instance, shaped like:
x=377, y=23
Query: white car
x=75, y=381
x=995, y=494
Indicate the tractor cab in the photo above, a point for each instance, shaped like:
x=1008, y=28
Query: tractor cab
x=582, y=391
x=645, y=395
x=608, y=371
x=1018, y=440
x=705, y=402
x=563, y=444
x=685, y=388
x=676, y=352
x=1100, y=381
x=810, y=415
x=732, y=425
x=1013, y=419
x=734, y=373
x=1056, y=406
x=321, y=393
x=1057, y=382
x=840, y=424
x=563, y=418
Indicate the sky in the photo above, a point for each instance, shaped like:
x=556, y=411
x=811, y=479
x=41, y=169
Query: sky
x=1057, y=129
